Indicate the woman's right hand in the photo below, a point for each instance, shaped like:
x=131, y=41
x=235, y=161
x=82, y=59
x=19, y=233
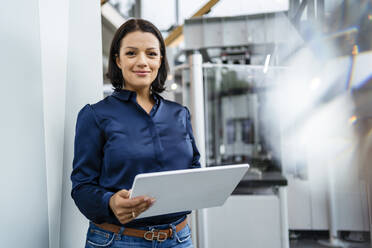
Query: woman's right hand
x=126, y=209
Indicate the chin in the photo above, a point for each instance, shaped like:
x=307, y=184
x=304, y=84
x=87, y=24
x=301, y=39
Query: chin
x=139, y=83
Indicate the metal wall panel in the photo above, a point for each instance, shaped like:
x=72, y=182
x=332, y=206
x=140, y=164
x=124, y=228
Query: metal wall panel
x=238, y=30
x=245, y=221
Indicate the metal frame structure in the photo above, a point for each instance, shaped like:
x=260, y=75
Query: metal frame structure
x=198, y=122
x=315, y=10
x=196, y=103
x=176, y=36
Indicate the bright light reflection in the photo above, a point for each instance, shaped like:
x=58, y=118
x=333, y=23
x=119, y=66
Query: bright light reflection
x=267, y=62
x=353, y=119
x=174, y=86
x=315, y=83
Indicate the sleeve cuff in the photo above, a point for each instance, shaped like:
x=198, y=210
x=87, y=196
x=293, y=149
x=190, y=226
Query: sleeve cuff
x=106, y=204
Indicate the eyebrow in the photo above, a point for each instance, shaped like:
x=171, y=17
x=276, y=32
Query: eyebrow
x=150, y=48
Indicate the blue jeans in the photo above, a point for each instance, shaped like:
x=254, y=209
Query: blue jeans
x=99, y=238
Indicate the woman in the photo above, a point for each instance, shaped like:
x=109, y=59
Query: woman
x=132, y=131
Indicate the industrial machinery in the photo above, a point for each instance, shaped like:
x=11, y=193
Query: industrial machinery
x=235, y=125
x=236, y=130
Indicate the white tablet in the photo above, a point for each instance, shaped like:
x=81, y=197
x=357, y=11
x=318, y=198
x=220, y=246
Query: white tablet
x=183, y=190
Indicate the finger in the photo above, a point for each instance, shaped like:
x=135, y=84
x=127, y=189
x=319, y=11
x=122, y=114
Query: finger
x=132, y=215
x=124, y=193
x=148, y=203
x=126, y=218
x=126, y=209
x=127, y=205
x=134, y=202
x=142, y=209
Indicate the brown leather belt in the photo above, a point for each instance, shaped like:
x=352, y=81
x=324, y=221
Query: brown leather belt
x=159, y=235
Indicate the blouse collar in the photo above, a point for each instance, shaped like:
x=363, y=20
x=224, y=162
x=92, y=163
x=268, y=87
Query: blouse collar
x=125, y=95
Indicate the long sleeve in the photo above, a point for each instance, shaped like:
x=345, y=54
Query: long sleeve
x=196, y=154
x=91, y=199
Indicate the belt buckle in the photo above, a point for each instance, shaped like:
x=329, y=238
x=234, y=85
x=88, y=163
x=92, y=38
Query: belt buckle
x=155, y=235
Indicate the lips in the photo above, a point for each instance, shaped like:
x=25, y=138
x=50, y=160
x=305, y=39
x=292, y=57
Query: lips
x=142, y=73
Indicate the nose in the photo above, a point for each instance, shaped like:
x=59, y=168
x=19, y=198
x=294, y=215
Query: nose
x=141, y=60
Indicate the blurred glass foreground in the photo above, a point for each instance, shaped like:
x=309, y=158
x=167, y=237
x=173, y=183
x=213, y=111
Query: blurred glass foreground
x=312, y=94
x=323, y=102
x=302, y=107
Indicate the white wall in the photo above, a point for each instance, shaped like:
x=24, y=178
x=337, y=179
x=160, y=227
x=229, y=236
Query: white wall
x=51, y=66
x=23, y=191
x=84, y=84
x=53, y=33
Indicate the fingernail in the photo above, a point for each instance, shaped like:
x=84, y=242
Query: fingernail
x=152, y=201
x=146, y=198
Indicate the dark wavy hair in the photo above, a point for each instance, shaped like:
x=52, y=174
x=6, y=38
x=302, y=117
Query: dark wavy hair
x=114, y=72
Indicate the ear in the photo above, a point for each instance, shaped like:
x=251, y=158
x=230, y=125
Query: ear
x=117, y=60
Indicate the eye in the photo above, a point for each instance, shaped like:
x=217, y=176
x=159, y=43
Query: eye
x=130, y=53
x=153, y=54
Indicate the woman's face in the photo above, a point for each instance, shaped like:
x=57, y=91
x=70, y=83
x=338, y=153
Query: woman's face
x=139, y=59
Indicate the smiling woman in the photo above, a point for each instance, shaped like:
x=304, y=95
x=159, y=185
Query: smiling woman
x=132, y=131
x=139, y=59
x=137, y=38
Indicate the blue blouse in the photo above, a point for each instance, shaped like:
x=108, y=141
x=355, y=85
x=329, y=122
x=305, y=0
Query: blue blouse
x=116, y=139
